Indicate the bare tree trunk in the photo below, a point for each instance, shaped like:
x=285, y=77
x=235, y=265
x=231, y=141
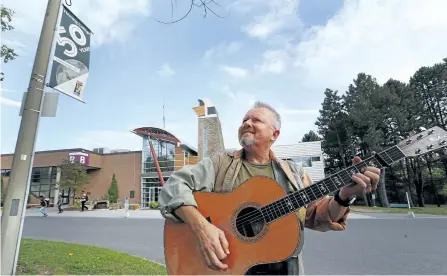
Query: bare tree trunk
x=381, y=190
x=410, y=180
x=419, y=184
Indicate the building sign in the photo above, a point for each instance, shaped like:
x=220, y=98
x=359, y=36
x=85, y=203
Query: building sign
x=80, y=157
x=71, y=59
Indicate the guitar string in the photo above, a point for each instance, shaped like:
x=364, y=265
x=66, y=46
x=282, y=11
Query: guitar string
x=258, y=215
x=273, y=208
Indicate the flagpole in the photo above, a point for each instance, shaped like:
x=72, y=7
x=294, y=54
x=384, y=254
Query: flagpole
x=14, y=208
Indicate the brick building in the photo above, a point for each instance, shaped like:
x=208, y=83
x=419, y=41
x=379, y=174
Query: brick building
x=137, y=172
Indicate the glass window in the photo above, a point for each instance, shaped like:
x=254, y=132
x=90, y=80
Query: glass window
x=303, y=161
x=132, y=194
x=315, y=158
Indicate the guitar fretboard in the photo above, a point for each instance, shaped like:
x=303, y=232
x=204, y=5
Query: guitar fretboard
x=332, y=183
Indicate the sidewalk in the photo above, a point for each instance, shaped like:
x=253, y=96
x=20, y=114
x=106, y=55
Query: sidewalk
x=105, y=213
x=98, y=213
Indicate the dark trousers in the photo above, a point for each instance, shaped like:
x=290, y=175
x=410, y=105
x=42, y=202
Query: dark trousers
x=83, y=206
x=269, y=269
x=59, y=207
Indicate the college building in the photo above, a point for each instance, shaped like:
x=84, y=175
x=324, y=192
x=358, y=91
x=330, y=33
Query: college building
x=141, y=174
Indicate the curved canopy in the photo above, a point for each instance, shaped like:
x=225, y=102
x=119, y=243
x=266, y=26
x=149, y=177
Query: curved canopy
x=157, y=133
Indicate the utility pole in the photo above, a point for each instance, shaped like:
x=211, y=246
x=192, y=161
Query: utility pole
x=18, y=187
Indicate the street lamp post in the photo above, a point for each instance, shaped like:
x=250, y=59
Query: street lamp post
x=19, y=181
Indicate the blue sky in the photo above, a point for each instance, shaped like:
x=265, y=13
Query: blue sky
x=285, y=52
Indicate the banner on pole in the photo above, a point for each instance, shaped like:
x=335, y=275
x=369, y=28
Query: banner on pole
x=71, y=59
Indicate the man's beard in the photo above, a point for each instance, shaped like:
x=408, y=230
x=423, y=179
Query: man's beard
x=244, y=142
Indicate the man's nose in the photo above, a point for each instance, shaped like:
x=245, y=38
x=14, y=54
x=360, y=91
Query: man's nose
x=248, y=123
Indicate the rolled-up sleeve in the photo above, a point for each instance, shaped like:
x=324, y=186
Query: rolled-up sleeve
x=319, y=219
x=178, y=190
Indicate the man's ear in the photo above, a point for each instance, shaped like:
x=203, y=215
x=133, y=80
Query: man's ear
x=275, y=135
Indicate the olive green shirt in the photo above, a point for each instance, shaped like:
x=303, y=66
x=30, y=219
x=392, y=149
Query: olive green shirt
x=248, y=170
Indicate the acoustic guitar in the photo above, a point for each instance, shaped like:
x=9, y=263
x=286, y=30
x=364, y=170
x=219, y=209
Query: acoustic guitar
x=259, y=218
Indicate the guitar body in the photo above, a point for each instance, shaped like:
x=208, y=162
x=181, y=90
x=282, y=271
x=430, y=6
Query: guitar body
x=269, y=243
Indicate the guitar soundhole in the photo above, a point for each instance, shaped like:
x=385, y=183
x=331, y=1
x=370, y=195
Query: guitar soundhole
x=249, y=222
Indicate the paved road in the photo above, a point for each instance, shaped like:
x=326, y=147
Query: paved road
x=386, y=244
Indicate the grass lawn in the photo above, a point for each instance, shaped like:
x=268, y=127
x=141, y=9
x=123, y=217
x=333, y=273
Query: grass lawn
x=57, y=258
x=428, y=210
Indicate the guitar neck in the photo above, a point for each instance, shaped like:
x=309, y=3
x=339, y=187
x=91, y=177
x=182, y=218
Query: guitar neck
x=298, y=199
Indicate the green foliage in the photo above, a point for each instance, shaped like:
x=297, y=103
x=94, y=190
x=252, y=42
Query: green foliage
x=311, y=136
x=7, y=53
x=154, y=205
x=73, y=175
x=113, y=191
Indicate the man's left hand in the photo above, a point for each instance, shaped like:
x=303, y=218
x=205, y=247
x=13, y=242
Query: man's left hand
x=366, y=181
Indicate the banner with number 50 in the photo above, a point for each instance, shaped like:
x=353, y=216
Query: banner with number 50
x=71, y=59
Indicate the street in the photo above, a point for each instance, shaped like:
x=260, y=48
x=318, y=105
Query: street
x=383, y=244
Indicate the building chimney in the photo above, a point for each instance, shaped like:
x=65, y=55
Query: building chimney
x=210, y=138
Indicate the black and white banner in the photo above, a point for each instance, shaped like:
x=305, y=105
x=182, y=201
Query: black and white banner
x=71, y=60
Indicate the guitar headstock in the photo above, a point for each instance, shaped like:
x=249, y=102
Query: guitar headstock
x=424, y=142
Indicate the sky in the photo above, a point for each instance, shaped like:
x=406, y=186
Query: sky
x=283, y=52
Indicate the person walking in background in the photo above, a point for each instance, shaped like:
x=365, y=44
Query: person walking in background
x=43, y=207
x=59, y=203
x=84, y=199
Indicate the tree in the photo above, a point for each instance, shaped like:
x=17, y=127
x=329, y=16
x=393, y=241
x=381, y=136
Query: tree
x=310, y=137
x=331, y=126
x=112, y=193
x=207, y=6
x=7, y=53
x=73, y=176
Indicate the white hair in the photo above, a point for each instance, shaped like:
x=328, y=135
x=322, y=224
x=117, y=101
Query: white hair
x=277, y=124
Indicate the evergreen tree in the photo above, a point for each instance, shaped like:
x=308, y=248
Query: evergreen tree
x=113, y=191
x=311, y=136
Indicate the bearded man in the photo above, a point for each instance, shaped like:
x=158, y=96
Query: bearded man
x=259, y=129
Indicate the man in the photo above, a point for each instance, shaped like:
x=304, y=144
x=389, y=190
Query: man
x=43, y=207
x=84, y=199
x=59, y=203
x=260, y=128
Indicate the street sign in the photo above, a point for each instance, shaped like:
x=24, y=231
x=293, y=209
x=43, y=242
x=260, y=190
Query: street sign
x=71, y=59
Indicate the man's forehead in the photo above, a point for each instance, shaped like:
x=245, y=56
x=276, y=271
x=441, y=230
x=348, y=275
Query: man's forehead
x=259, y=111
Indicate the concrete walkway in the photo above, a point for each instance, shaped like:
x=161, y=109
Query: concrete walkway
x=99, y=213
x=105, y=213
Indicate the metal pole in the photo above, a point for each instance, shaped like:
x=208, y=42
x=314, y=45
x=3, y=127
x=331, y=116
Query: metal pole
x=18, y=187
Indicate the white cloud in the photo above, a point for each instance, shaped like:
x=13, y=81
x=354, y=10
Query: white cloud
x=271, y=17
x=370, y=36
x=224, y=49
x=10, y=102
x=110, y=21
x=274, y=61
x=235, y=72
x=166, y=71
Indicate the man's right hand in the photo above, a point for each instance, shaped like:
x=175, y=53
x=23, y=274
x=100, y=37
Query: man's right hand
x=213, y=245
x=211, y=241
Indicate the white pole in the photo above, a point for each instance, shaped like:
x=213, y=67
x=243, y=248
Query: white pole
x=410, y=213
